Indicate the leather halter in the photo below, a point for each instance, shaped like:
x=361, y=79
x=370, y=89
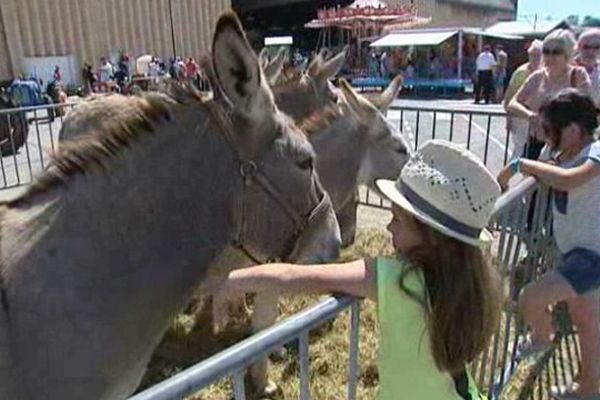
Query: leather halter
x=251, y=174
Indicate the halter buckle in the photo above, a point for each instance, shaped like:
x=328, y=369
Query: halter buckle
x=247, y=168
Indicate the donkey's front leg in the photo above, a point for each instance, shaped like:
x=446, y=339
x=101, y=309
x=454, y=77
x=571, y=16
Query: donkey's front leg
x=347, y=220
x=265, y=315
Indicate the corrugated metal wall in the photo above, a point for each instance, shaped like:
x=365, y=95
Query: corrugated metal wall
x=90, y=29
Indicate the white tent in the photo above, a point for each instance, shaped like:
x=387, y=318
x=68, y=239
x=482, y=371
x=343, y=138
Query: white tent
x=525, y=28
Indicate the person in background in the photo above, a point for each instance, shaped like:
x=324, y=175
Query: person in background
x=570, y=165
x=558, y=73
x=438, y=298
x=486, y=62
x=588, y=57
x=89, y=78
x=57, y=76
x=384, y=67
x=519, y=127
x=500, y=72
x=409, y=72
x=191, y=71
x=105, y=74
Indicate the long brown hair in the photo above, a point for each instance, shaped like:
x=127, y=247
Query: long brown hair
x=463, y=297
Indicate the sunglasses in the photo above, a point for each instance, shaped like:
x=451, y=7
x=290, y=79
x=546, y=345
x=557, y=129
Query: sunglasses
x=552, y=52
x=590, y=47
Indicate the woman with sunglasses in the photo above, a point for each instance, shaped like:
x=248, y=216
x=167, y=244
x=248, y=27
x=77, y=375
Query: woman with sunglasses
x=558, y=73
x=589, y=58
x=569, y=121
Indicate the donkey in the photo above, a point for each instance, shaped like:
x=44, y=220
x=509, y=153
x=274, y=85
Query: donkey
x=112, y=239
x=358, y=140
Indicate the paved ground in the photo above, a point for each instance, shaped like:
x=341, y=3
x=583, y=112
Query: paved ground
x=459, y=121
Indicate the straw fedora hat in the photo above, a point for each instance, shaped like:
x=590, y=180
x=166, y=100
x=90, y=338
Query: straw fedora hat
x=448, y=188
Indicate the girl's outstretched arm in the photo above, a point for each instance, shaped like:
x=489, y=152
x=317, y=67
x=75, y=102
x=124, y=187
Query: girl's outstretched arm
x=355, y=278
x=561, y=178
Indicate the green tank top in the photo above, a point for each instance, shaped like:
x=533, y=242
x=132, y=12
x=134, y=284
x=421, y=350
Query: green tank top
x=406, y=366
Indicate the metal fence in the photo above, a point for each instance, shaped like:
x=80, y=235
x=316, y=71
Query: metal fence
x=28, y=139
x=233, y=362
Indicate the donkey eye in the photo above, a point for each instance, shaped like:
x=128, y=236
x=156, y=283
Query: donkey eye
x=306, y=164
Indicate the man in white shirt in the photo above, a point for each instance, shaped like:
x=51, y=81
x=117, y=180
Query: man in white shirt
x=486, y=62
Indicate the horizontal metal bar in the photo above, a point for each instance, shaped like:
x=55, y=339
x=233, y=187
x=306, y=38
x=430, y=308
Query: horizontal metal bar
x=455, y=110
x=518, y=191
x=244, y=353
x=37, y=108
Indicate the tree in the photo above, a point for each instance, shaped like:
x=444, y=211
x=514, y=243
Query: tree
x=573, y=20
x=589, y=21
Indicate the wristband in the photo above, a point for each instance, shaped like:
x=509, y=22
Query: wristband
x=515, y=166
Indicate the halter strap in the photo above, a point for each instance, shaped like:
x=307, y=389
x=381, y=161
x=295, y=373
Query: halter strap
x=251, y=174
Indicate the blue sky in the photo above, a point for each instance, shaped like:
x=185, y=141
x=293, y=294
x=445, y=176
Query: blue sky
x=559, y=8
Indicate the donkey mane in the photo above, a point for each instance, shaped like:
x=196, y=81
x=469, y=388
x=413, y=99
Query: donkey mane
x=96, y=150
x=319, y=120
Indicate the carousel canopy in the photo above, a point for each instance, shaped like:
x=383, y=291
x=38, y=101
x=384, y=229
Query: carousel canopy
x=368, y=3
x=366, y=12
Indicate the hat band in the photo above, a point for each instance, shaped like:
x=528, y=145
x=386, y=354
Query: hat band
x=440, y=217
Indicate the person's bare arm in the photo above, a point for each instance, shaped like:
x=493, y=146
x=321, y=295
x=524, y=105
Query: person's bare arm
x=564, y=179
x=517, y=105
x=356, y=278
x=511, y=90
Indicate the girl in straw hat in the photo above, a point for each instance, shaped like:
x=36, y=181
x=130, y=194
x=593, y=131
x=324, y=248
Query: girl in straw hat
x=438, y=301
x=569, y=120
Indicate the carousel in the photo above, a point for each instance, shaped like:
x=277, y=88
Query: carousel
x=360, y=23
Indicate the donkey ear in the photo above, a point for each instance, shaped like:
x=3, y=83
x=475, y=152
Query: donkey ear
x=332, y=67
x=315, y=66
x=273, y=69
x=263, y=58
x=350, y=96
x=235, y=63
x=383, y=101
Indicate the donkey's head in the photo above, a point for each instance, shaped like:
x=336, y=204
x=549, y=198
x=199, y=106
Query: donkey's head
x=284, y=211
x=303, y=93
x=385, y=150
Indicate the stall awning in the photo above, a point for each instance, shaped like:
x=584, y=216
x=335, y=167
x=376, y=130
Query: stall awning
x=413, y=39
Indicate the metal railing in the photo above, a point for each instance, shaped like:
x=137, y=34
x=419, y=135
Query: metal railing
x=28, y=139
x=232, y=362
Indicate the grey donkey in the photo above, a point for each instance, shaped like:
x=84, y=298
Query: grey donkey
x=109, y=243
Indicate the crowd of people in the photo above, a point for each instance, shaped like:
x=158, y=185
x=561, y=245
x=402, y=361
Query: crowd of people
x=120, y=76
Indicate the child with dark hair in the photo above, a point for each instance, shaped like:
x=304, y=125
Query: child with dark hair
x=569, y=121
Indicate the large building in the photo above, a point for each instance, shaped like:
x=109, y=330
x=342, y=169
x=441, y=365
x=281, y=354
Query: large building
x=36, y=34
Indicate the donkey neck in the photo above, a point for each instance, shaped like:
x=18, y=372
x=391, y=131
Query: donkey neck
x=340, y=150
x=170, y=193
x=127, y=246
